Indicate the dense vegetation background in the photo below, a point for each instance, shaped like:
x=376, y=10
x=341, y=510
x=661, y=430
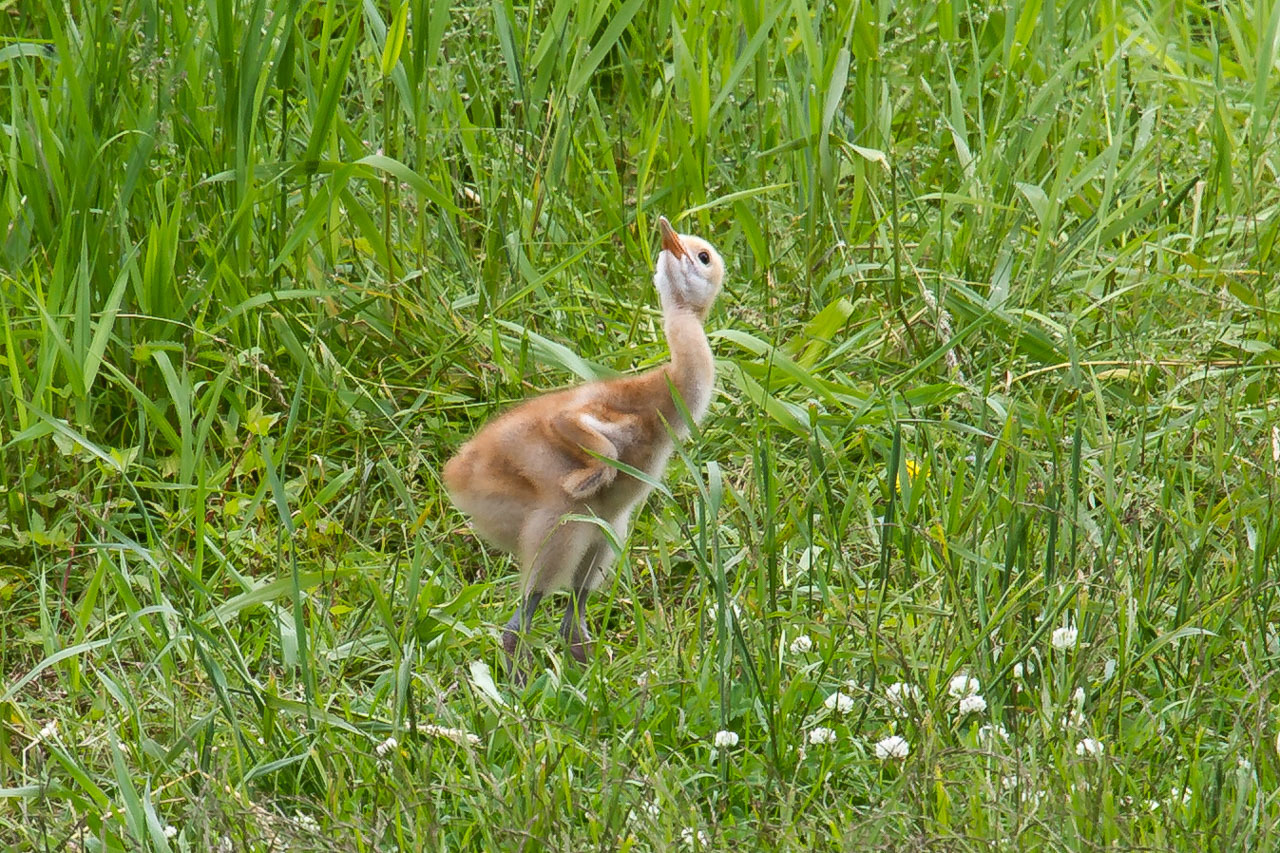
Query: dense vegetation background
x=992, y=468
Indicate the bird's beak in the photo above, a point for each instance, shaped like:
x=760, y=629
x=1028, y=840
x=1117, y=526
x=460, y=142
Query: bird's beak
x=670, y=239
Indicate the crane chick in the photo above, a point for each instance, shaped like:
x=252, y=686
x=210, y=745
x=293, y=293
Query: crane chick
x=525, y=474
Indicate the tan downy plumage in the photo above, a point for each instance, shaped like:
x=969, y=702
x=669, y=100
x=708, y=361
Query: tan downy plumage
x=548, y=458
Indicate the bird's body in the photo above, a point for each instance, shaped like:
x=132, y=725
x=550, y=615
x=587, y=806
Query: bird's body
x=526, y=473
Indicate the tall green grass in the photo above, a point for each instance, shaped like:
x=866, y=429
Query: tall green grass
x=997, y=358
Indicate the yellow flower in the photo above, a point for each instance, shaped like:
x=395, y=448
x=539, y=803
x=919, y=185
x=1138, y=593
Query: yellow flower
x=912, y=469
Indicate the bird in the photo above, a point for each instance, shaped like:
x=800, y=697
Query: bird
x=529, y=477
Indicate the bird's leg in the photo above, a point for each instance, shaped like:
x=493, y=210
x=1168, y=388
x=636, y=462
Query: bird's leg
x=513, y=635
x=574, y=626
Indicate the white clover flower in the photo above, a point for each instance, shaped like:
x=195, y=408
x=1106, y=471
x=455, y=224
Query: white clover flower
x=725, y=739
x=901, y=696
x=170, y=831
x=460, y=735
x=894, y=746
x=388, y=745
x=1064, y=638
x=988, y=733
x=735, y=613
x=839, y=702
x=974, y=704
x=801, y=645
x=688, y=836
x=1089, y=747
x=822, y=735
x=962, y=685
x=648, y=809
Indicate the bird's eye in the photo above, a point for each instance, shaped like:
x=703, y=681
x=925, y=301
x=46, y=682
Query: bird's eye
x=704, y=257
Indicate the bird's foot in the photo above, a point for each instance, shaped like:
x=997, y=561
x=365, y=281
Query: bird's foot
x=580, y=643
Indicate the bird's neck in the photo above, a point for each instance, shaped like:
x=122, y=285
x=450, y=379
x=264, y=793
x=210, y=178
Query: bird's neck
x=692, y=370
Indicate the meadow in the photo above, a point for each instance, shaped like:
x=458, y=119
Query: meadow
x=976, y=549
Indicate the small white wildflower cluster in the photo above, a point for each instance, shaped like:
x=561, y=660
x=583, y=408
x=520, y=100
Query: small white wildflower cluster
x=725, y=739
x=1074, y=718
x=894, y=747
x=801, y=645
x=734, y=613
x=822, y=736
x=1064, y=638
x=649, y=809
x=1090, y=747
x=387, y=746
x=901, y=697
x=688, y=836
x=965, y=688
x=47, y=731
x=989, y=734
x=306, y=822
x=1032, y=796
x=839, y=702
x=460, y=735
x=962, y=685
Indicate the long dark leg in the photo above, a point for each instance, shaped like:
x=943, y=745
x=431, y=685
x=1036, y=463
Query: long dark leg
x=513, y=635
x=574, y=626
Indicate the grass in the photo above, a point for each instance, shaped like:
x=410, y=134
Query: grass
x=998, y=358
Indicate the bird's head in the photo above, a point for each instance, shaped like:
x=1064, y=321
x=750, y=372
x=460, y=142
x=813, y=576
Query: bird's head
x=689, y=272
